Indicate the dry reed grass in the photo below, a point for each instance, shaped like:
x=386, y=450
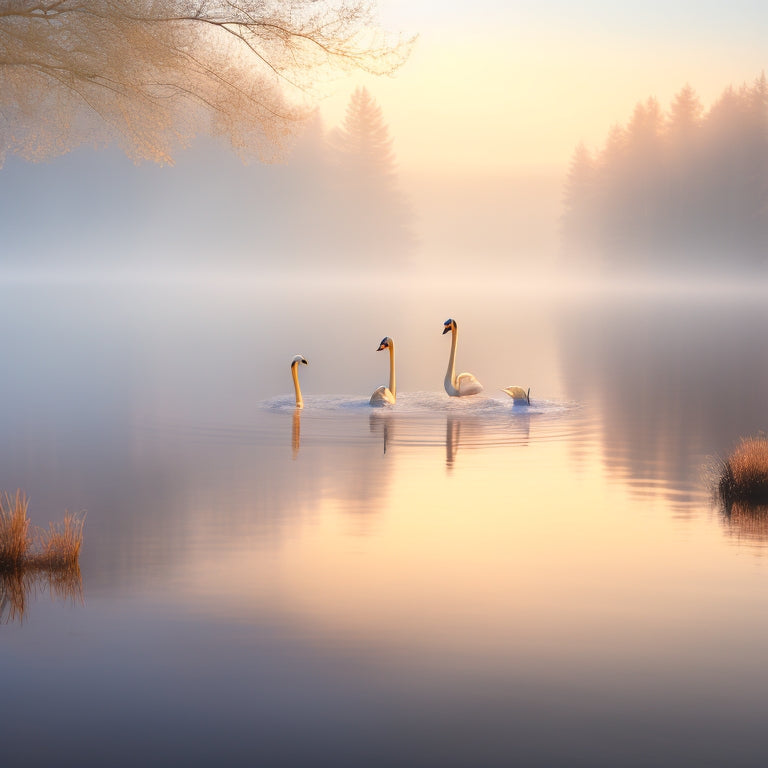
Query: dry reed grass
x=59, y=546
x=55, y=548
x=14, y=530
x=744, y=474
x=37, y=558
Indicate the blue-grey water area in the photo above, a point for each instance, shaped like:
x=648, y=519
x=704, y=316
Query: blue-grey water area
x=445, y=582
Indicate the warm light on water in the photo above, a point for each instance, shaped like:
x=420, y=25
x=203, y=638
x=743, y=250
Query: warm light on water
x=443, y=583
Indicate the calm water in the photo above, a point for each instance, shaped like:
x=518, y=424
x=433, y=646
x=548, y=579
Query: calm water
x=444, y=583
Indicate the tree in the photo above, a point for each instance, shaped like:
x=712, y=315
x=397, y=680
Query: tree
x=579, y=197
x=152, y=73
x=689, y=188
x=377, y=215
x=685, y=115
x=363, y=139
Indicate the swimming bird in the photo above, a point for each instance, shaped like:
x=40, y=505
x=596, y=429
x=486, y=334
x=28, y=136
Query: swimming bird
x=386, y=395
x=465, y=383
x=519, y=395
x=295, y=373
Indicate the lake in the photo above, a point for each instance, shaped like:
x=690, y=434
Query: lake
x=446, y=582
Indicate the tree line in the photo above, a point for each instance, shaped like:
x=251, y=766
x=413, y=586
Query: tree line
x=334, y=203
x=683, y=188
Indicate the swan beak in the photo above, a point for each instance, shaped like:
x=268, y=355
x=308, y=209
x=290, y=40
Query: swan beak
x=446, y=329
x=304, y=361
x=382, y=346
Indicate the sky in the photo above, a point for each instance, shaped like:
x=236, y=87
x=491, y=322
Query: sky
x=497, y=87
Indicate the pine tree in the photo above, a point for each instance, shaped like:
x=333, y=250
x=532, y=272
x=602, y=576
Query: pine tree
x=377, y=216
x=362, y=142
x=579, y=197
x=685, y=115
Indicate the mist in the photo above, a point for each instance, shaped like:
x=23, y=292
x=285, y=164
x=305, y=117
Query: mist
x=322, y=211
x=675, y=191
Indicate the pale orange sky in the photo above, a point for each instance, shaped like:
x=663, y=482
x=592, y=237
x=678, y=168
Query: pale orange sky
x=519, y=85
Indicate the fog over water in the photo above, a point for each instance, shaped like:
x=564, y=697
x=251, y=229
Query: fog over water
x=212, y=212
x=251, y=571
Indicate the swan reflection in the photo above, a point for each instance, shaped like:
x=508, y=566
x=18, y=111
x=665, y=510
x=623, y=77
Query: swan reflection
x=475, y=433
x=381, y=423
x=452, y=439
x=455, y=430
x=296, y=432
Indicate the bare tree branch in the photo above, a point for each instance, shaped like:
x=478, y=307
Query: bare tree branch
x=152, y=73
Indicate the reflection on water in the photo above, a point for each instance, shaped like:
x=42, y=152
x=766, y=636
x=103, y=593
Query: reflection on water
x=19, y=585
x=296, y=432
x=452, y=439
x=747, y=522
x=446, y=582
x=415, y=419
x=475, y=433
x=674, y=380
x=381, y=423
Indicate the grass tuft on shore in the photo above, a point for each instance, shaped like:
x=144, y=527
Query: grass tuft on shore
x=59, y=546
x=744, y=474
x=53, y=549
x=15, y=539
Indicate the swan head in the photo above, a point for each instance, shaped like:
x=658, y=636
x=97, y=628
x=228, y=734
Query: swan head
x=298, y=359
x=386, y=343
x=450, y=325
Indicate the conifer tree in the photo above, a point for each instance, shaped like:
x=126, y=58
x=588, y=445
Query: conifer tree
x=377, y=215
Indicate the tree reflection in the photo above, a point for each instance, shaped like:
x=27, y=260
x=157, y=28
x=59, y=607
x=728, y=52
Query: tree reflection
x=674, y=380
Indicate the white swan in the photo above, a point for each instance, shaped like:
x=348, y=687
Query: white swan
x=465, y=383
x=295, y=373
x=386, y=395
x=519, y=395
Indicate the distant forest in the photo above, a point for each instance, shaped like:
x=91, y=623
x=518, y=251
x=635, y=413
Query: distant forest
x=334, y=203
x=682, y=188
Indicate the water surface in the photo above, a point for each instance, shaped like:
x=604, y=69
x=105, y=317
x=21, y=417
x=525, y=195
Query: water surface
x=442, y=583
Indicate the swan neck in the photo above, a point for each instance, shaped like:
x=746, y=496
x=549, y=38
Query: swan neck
x=295, y=374
x=450, y=374
x=392, y=382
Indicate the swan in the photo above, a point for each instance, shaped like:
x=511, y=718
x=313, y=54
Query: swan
x=519, y=395
x=465, y=383
x=295, y=373
x=386, y=395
